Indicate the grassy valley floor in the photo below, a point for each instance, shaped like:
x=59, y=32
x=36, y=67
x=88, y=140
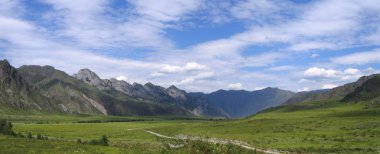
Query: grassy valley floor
x=313, y=127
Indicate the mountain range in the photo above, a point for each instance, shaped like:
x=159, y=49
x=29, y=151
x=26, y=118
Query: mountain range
x=45, y=89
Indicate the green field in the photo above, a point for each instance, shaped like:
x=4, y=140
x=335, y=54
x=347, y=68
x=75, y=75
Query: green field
x=313, y=127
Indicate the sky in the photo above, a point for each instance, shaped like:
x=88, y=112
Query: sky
x=198, y=45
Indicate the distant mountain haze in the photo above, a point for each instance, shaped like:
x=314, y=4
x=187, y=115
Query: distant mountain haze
x=241, y=103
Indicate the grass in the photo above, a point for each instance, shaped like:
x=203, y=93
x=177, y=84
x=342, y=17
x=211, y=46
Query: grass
x=14, y=145
x=314, y=127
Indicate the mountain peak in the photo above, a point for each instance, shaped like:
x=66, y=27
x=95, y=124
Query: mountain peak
x=86, y=71
x=176, y=93
x=173, y=87
x=8, y=73
x=4, y=62
x=270, y=88
x=86, y=74
x=91, y=78
x=5, y=67
x=150, y=84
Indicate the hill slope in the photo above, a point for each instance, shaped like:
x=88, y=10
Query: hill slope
x=46, y=89
x=369, y=92
x=17, y=96
x=335, y=93
x=75, y=96
x=241, y=103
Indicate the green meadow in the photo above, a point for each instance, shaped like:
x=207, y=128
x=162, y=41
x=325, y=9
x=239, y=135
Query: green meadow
x=313, y=127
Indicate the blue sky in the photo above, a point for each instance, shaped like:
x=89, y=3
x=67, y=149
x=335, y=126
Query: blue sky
x=198, y=45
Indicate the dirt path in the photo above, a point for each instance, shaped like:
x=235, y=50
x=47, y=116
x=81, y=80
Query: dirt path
x=217, y=140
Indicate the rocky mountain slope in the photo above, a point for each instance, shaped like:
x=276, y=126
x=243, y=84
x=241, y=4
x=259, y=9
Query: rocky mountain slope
x=335, y=93
x=233, y=104
x=16, y=94
x=152, y=93
x=46, y=89
x=89, y=97
x=369, y=91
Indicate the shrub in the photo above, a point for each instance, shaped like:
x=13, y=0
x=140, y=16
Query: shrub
x=6, y=128
x=102, y=141
x=30, y=136
x=20, y=135
x=39, y=136
x=79, y=141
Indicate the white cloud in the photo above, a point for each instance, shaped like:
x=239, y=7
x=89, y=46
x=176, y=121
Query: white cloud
x=93, y=23
x=282, y=68
x=192, y=66
x=316, y=72
x=8, y=7
x=329, y=86
x=200, y=76
x=314, y=55
x=348, y=74
x=262, y=11
x=351, y=71
x=89, y=33
x=306, y=46
x=170, y=10
x=359, y=58
x=259, y=88
x=305, y=81
x=122, y=78
x=263, y=59
x=235, y=86
x=305, y=89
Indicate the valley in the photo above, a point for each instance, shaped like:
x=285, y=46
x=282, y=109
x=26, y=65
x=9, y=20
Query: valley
x=313, y=127
x=78, y=113
x=190, y=77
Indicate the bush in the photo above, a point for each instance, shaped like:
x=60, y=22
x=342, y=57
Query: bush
x=39, y=137
x=79, y=141
x=6, y=128
x=102, y=141
x=30, y=136
x=20, y=135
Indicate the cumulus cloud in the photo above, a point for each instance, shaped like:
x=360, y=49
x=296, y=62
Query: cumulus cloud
x=316, y=72
x=320, y=74
x=329, y=86
x=235, y=86
x=351, y=71
x=192, y=66
x=122, y=78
